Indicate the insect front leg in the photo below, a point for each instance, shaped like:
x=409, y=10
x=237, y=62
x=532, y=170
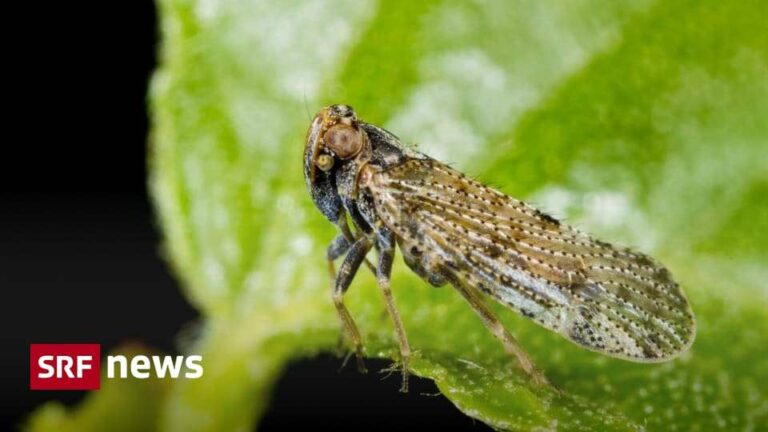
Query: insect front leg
x=495, y=326
x=355, y=256
x=338, y=247
x=385, y=241
x=350, y=237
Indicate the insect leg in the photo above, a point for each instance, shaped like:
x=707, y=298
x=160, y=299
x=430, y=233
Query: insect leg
x=347, y=271
x=347, y=233
x=338, y=247
x=497, y=328
x=385, y=241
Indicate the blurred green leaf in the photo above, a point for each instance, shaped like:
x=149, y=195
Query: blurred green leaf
x=640, y=121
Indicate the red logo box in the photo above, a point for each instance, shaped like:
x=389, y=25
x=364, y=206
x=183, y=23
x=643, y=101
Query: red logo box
x=64, y=366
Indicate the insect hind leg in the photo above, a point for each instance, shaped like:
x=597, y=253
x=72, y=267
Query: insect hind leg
x=495, y=326
x=355, y=255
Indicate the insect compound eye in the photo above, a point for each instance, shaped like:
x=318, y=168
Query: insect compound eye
x=324, y=162
x=343, y=140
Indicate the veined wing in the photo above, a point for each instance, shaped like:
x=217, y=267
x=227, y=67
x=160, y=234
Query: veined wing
x=605, y=298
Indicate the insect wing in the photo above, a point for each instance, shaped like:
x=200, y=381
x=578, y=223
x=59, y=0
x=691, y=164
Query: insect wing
x=605, y=298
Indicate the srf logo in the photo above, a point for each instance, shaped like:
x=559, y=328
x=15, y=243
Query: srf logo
x=64, y=366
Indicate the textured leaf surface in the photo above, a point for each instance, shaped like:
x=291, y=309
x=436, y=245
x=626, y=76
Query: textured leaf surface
x=642, y=122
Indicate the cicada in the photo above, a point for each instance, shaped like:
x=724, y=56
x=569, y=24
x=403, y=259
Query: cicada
x=454, y=230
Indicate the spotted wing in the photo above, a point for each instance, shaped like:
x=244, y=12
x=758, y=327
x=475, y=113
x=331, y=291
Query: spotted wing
x=605, y=298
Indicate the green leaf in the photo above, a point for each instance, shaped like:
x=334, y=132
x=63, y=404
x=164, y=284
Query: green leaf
x=642, y=122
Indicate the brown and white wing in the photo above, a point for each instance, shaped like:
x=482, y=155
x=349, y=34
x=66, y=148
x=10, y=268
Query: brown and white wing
x=603, y=297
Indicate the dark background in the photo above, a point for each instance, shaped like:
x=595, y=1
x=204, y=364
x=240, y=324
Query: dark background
x=79, y=247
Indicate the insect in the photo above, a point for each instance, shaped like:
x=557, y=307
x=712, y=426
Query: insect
x=454, y=230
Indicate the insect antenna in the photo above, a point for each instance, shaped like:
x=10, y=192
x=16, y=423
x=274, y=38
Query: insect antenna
x=306, y=106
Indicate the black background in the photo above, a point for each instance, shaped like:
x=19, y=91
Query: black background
x=79, y=248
